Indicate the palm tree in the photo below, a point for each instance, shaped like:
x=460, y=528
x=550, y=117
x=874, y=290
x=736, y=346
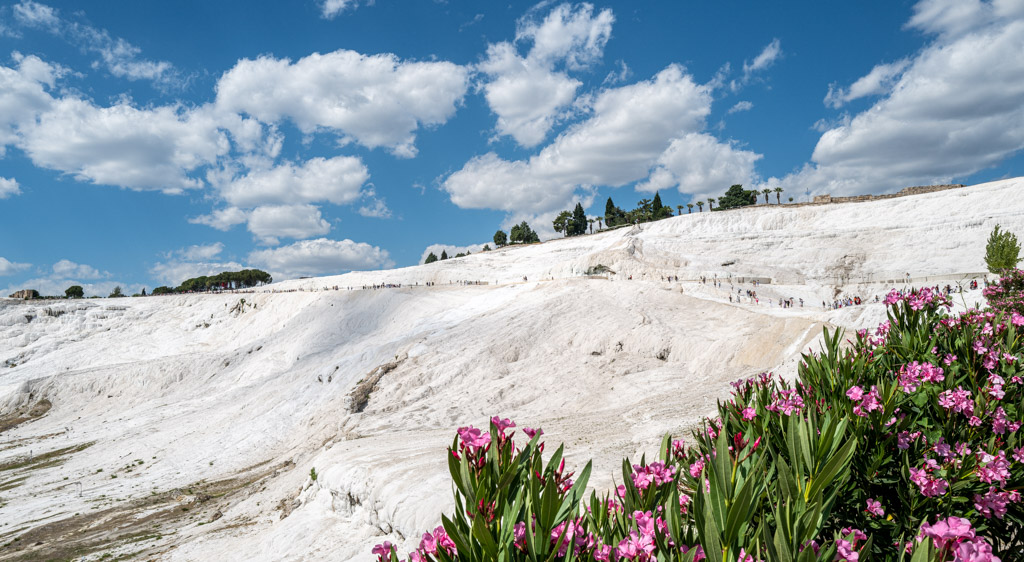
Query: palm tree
x=778, y=195
x=689, y=208
x=599, y=223
x=591, y=221
x=766, y=191
x=680, y=207
x=700, y=206
x=711, y=203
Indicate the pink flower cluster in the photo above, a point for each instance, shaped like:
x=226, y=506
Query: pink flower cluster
x=430, y=543
x=994, y=468
x=958, y=400
x=995, y=502
x=955, y=536
x=929, y=485
x=846, y=550
x=913, y=374
x=787, y=402
x=656, y=473
x=865, y=403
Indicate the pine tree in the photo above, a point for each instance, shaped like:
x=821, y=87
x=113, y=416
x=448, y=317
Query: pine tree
x=610, y=214
x=431, y=258
x=656, y=207
x=444, y=254
x=1002, y=252
x=500, y=238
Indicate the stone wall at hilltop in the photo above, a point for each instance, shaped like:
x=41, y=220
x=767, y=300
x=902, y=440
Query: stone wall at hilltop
x=916, y=190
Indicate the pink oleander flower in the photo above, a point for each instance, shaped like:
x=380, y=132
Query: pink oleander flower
x=1018, y=454
x=519, y=535
x=744, y=557
x=875, y=508
x=502, y=424
x=602, y=553
x=996, y=468
x=383, y=550
x=530, y=432
x=846, y=551
x=473, y=437
x=696, y=467
x=995, y=502
x=858, y=535
x=696, y=557
x=749, y=413
x=928, y=486
x=855, y=393
x=787, y=402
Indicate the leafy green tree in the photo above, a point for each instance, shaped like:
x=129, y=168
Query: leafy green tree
x=578, y=225
x=500, y=238
x=431, y=258
x=523, y=234
x=444, y=254
x=486, y=248
x=736, y=196
x=561, y=222
x=1002, y=252
x=116, y=293
x=162, y=290
x=74, y=292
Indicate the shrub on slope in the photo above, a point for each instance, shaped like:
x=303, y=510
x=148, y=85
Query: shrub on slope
x=902, y=445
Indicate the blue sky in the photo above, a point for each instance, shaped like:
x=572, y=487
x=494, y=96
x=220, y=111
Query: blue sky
x=142, y=143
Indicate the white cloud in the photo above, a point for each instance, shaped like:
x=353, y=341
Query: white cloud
x=23, y=95
x=452, y=251
x=173, y=273
x=329, y=9
x=374, y=207
x=337, y=180
x=955, y=110
x=375, y=100
x=118, y=56
x=68, y=269
x=34, y=14
x=121, y=145
x=698, y=163
x=527, y=93
x=8, y=267
x=320, y=257
x=201, y=252
x=222, y=219
x=621, y=74
x=741, y=106
x=8, y=187
x=628, y=131
x=763, y=60
x=271, y=222
x=878, y=81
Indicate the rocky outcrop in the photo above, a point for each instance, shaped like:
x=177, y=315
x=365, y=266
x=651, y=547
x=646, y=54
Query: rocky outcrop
x=26, y=294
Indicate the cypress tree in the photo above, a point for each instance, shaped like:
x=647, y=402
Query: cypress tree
x=444, y=254
x=579, y=221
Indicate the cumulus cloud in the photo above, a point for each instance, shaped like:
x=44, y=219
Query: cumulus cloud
x=698, y=163
x=118, y=56
x=337, y=180
x=320, y=257
x=192, y=261
x=200, y=252
x=527, y=93
x=878, y=81
x=374, y=206
x=271, y=222
x=8, y=187
x=222, y=219
x=375, y=100
x=56, y=285
x=8, y=267
x=956, y=109
x=24, y=95
x=68, y=269
x=121, y=145
x=628, y=131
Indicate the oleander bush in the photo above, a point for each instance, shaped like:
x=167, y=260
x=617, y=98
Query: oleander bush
x=896, y=444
